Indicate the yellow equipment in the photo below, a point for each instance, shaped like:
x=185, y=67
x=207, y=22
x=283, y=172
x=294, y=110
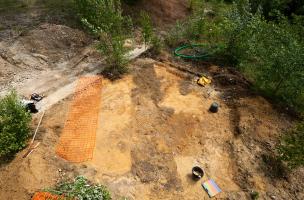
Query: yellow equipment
x=203, y=81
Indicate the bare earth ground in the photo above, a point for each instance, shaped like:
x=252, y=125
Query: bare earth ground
x=163, y=13
x=154, y=124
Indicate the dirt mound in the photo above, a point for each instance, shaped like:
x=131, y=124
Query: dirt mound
x=167, y=11
x=48, y=42
x=47, y=47
x=55, y=40
x=162, y=12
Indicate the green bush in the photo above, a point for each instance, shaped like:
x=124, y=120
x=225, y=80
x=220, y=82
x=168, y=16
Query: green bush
x=186, y=31
x=254, y=195
x=271, y=54
x=271, y=7
x=200, y=26
x=149, y=35
x=147, y=27
x=112, y=47
x=291, y=149
x=175, y=35
x=81, y=189
x=157, y=45
x=14, y=125
x=104, y=18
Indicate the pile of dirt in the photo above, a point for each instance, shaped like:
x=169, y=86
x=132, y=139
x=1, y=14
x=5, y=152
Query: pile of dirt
x=48, y=43
x=163, y=13
x=47, y=47
x=58, y=42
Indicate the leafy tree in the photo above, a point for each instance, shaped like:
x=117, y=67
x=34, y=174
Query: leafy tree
x=102, y=15
x=291, y=148
x=271, y=7
x=105, y=19
x=269, y=53
x=14, y=125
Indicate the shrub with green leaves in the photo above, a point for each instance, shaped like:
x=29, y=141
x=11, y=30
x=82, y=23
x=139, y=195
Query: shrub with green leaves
x=269, y=53
x=102, y=16
x=254, y=195
x=271, y=7
x=199, y=26
x=81, y=189
x=14, y=125
x=148, y=34
x=112, y=47
x=147, y=27
x=291, y=149
x=157, y=45
x=105, y=19
x=189, y=30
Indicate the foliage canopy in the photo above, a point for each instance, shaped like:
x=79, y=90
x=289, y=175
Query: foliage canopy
x=14, y=125
x=105, y=19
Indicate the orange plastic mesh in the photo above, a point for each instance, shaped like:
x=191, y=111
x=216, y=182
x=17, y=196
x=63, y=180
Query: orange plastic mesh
x=46, y=196
x=77, y=140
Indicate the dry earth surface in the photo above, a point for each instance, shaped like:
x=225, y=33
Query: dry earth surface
x=154, y=123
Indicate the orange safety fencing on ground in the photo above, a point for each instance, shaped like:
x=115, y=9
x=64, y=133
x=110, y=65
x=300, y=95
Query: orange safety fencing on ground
x=77, y=140
x=46, y=196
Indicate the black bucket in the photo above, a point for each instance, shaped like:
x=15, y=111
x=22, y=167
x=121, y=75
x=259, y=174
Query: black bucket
x=214, y=107
x=197, y=173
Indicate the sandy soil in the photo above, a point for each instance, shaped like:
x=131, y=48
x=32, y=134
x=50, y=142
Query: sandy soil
x=154, y=127
x=44, y=58
x=154, y=122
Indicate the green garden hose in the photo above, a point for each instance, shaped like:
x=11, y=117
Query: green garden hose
x=193, y=46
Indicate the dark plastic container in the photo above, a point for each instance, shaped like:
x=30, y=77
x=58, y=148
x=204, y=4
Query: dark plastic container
x=197, y=173
x=214, y=107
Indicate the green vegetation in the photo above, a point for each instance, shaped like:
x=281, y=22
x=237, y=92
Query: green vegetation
x=81, y=189
x=147, y=27
x=271, y=7
x=104, y=18
x=157, y=45
x=263, y=41
x=112, y=47
x=200, y=26
x=148, y=34
x=254, y=195
x=14, y=125
x=291, y=148
x=270, y=53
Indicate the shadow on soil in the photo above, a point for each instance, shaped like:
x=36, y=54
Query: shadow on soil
x=150, y=163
